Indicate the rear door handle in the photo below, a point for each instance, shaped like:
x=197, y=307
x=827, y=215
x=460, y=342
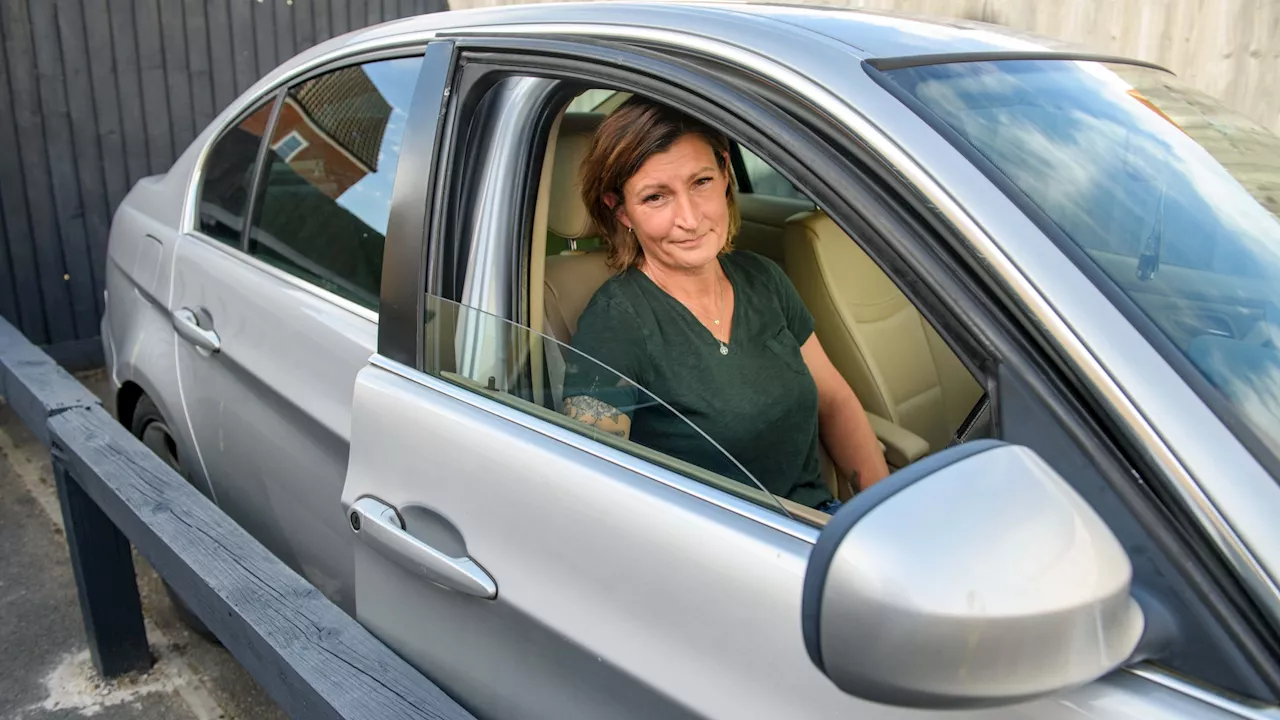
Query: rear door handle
x=187, y=324
x=378, y=525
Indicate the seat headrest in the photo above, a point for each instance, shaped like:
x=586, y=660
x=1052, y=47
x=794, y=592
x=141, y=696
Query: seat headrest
x=566, y=215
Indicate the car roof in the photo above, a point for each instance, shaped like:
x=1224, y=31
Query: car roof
x=865, y=34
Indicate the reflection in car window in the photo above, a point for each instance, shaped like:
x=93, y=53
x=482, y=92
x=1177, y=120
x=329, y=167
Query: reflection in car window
x=765, y=180
x=327, y=198
x=228, y=177
x=524, y=369
x=1172, y=196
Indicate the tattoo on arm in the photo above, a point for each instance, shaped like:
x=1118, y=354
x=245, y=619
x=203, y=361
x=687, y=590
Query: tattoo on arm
x=602, y=415
x=590, y=410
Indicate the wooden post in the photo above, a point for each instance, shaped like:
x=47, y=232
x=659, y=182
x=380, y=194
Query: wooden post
x=103, y=565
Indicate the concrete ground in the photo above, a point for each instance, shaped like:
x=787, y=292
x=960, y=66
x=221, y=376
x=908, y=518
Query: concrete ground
x=45, y=670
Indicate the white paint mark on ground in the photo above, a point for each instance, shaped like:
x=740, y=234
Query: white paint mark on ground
x=76, y=686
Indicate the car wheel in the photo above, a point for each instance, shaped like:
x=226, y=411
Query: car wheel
x=152, y=429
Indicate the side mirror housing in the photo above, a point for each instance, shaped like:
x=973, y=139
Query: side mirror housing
x=975, y=577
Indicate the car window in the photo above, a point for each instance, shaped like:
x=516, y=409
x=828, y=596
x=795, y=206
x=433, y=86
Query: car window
x=228, y=177
x=327, y=189
x=1170, y=194
x=764, y=180
x=490, y=356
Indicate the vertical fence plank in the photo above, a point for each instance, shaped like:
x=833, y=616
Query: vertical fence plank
x=8, y=300
x=284, y=19
x=35, y=172
x=201, y=78
x=322, y=15
x=85, y=154
x=264, y=36
x=222, y=53
x=68, y=226
x=245, y=44
x=356, y=13
x=133, y=122
x=155, y=92
x=106, y=100
x=304, y=25
x=102, y=563
x=28, y=311
x=372, y=12
x=173, y=42
x=340, y=16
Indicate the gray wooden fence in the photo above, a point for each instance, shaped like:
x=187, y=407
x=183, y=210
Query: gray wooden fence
x=96, y=94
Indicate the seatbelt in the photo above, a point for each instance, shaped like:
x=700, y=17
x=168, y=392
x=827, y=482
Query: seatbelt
x=977, y=421
x=555, y=368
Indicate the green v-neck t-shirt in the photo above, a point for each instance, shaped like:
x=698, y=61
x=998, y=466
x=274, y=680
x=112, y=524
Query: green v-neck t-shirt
x=757, y=401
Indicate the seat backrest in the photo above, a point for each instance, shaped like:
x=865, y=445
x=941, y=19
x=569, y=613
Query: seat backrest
x=571, y=277
x=895, y=361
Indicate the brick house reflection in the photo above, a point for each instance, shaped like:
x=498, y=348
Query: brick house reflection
x=330, y=129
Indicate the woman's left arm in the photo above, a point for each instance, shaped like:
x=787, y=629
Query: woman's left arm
x=842, y=423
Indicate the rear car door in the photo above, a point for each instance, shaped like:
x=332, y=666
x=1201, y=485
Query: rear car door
x=276, y=301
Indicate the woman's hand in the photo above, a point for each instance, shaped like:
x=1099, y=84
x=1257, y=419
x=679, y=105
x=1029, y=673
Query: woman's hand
x=604, y=416
x=842, y=423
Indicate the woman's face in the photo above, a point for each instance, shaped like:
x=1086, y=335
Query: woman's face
x=676, y=205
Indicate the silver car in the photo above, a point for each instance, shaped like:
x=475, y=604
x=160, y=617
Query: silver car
x=1052, y=278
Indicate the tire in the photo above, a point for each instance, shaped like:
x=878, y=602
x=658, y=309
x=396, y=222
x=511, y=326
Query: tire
x=152, y=429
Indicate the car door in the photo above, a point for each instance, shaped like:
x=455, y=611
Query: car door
x=279, y=313
x=536, y=570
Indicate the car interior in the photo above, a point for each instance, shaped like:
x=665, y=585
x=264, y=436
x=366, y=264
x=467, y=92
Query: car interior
x=918, y=394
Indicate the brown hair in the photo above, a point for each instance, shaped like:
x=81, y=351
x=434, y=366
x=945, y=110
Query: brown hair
x=630, y=135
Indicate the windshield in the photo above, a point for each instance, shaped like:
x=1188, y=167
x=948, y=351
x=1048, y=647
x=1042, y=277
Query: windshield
x=1171, y=195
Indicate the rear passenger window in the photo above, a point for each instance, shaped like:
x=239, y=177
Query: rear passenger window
x=764, y=180
x=228, y=177
x=327, y=189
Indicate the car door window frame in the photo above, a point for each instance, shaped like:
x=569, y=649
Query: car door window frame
x=275, y=93
x=485, y=61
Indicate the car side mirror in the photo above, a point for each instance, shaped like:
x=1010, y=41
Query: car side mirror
x=974, y=577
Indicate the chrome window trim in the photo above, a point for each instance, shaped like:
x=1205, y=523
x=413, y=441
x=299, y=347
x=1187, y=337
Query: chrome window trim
x=297, y=282
x=384, y=48
x=1209, y=696
x=671, y=479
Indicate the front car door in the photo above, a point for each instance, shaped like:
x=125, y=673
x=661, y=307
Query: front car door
x=276, y=300
x=546, y=572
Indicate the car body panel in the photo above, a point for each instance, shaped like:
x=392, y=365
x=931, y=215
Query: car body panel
x=271, y=411
x=137, y=331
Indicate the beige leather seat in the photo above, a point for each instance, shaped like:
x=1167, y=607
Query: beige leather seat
x=897, y=364
x=571, y=277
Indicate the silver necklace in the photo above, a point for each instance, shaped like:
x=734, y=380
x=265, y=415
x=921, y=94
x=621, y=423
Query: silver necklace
x=724, y=349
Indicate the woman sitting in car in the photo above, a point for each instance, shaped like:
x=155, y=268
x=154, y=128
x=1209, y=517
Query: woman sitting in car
x=721, y=336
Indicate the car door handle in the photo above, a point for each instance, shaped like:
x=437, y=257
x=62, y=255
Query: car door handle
x=187, y=324
x=379, y=526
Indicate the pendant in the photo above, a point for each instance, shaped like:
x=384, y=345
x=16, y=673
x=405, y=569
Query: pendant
x=716, y=322
x=723, y=350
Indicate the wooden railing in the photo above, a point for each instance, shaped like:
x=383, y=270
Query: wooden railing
x=312, y=658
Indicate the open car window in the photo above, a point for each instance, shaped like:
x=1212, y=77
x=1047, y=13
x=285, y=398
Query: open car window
x=490, y=356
